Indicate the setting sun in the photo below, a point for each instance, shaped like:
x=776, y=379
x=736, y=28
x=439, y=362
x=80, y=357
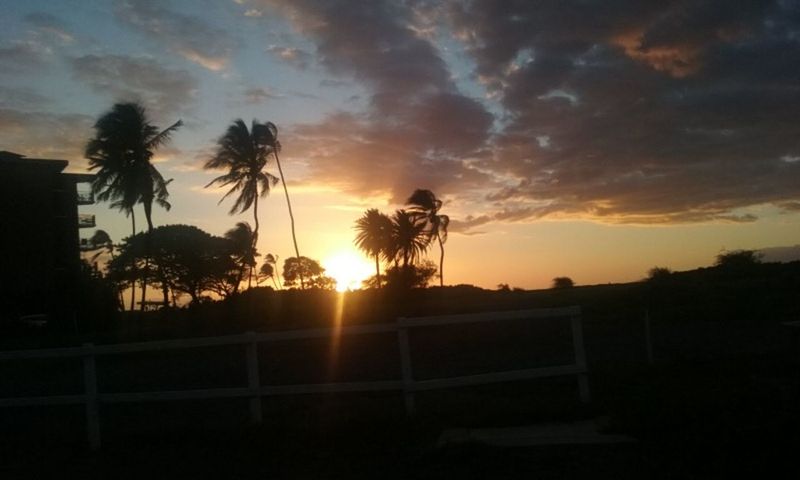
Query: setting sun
x=348, y=269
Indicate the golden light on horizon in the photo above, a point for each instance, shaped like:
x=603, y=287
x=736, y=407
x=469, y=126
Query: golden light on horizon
x=348, y=268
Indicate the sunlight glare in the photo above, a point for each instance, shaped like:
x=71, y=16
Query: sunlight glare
x=348, y=269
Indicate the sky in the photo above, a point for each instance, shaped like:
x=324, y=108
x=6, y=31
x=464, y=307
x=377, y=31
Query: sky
x=593, y=140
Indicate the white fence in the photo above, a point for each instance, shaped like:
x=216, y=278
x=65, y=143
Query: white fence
x=92, y=397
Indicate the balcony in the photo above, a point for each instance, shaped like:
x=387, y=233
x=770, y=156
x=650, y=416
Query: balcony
x=85, y=220
x=85, y=198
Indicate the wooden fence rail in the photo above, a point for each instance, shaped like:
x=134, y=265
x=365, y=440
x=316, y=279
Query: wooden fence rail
x=92, y=397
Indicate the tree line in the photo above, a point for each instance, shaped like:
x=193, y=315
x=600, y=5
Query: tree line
x=121, y=153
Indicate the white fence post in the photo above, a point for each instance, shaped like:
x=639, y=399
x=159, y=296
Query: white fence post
x=90, y=386
x=405, y=365
x=253, y=379
x=580, y=358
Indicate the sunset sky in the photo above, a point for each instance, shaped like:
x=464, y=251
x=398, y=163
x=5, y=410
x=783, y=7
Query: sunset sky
x=593, y=140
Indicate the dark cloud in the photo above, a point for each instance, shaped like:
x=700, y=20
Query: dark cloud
x=164, y=92
x=186, y=35
x=21, y=57
x=646, y=112
x=295, y=57
x=418, y=130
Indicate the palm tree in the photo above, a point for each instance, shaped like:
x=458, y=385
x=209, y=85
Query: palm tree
x=122, y=150
x=267, y=270
x=269, y=132
x=244, y=154
x=273, y=260
x=425, y=204
x=374, y=237
x=409, y=239
x=243, y=250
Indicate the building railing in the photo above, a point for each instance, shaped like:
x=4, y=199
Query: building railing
x=92, y=397
x=86, y=220
x=85, y=198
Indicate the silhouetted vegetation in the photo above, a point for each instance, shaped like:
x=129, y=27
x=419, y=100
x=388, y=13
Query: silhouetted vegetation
x=425, y=204
x=306, y=273
x=562, y=282
x=121, y=152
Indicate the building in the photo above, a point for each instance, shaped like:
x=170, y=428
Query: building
x=40, y=256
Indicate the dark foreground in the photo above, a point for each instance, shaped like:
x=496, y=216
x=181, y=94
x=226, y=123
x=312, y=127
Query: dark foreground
x=698, y=419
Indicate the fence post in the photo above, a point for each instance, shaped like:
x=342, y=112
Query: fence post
x=580, y=358
x=91, y=401
x=648, y=337
x=405, y=364
x=253, y=379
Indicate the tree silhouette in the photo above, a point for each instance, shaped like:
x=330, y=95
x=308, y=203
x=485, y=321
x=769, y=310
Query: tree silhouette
x=374, y=237
x=409, y=240
x=425, y=204
x=563, y=282
x=295, y=268
x=244, y=154
x=241, y=238
x=121, y=151
x=266, y=271
x=273, y=260
x=269, y=132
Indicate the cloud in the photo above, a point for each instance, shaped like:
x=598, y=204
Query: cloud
x=164, y=92
x=186, y=35
x=46, y=135
x=676, y=111
x=50, y=25
x=22, y=98
x=258, y=95
x=21, y=57
x=295, y=57
x=417, y=130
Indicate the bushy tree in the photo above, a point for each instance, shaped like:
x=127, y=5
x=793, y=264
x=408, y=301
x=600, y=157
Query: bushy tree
x=405, y=277
x=306, y=273
x=562, y=282
x=183, y=260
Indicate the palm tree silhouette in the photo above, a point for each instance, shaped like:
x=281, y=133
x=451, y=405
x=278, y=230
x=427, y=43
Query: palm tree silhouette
x=244, y=154
x=273, y=260
x=425, y=204
x=243, y=249
x=269, y=131
x=409, y=240
x=122, y=150
x=267, y=270
x=374, y=237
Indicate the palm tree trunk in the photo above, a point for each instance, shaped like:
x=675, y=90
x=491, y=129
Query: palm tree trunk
x=148, y=207
x=441, y=260
x=133, y=283
x=289, y=204
x=378, y=271
x=255, y=240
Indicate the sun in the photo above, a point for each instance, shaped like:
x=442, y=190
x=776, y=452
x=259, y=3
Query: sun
x=348, y=269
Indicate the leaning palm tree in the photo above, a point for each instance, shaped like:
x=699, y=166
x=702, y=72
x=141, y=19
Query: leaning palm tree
x=273, y=260
x=425, y=204
x=121, y=151
x=409, y=240
x=243, y=250
x=266, y=271
x=374, y=237
x=269, y=134
x=243, y=154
